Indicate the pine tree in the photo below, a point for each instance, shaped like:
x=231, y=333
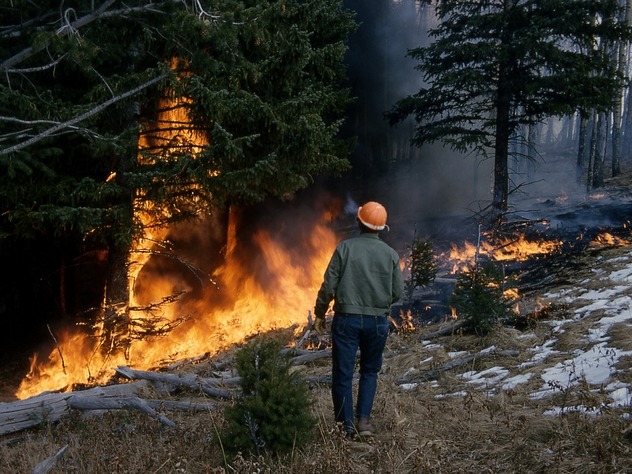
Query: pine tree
x=479, y=297
x=261, y=83
x=274, y=415
x=496, y=65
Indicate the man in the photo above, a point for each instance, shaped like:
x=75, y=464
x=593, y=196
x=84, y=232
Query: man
x=364, y=279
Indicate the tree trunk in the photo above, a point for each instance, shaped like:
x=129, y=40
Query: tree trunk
x=532, y=137
x=626, y=145
x=580, y=169
x=600, y=154
x=616, y=120
x=501, y=153
x=593, y=151
x=503, y=133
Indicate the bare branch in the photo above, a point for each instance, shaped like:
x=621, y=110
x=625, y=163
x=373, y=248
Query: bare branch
x=28, y=52
x=74, y=26
x=81, y=117
x=37, y=69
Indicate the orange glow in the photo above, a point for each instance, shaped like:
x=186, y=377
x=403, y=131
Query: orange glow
x=265, y=280
x=608, y=240
x=511, y=294
x=516, y=249
x=241, y=304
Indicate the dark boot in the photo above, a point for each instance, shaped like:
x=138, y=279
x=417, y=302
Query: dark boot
x=364, y=427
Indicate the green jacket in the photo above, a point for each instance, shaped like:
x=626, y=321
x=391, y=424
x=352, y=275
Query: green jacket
x=363, y=276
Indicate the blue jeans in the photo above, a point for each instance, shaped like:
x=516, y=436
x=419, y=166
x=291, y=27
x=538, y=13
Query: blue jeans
x=350, y=332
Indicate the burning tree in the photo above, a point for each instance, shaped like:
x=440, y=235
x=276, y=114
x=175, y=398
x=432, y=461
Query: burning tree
x=497, y=65
x=257, y=88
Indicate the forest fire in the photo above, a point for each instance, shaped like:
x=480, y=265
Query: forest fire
x=272, y=288
x=257, y=276
x=517, y=249
x=606, y=239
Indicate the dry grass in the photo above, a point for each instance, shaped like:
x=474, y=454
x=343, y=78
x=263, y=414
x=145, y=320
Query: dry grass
x=442, y=426
x=424, y=430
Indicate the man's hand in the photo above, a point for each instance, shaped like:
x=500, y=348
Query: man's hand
x=320, y=325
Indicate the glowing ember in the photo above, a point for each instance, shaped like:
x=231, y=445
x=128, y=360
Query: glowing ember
x=517, y=249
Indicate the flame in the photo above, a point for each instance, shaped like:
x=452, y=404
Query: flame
x=268, y=280
x=505, y=249
x=606, y=239
x=406, y=321
x=274, y=289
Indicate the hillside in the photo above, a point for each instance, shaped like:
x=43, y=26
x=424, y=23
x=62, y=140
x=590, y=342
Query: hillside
x=551, y=394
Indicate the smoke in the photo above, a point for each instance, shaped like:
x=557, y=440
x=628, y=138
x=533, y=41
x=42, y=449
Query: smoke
x=417, y=185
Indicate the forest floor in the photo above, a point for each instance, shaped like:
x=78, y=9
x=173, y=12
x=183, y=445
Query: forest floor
x=552, y=395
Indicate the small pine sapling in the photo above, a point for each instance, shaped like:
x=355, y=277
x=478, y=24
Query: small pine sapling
x=274, y=414
x=422, y=266
x=479, y=297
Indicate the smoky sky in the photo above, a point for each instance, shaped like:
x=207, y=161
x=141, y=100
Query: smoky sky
x=415, y=184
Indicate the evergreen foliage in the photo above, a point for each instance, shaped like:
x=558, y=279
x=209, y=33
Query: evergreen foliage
x=496, y=65
x=274, y=414
x=82, y=80
x=479, y=297
x=423, y=265
x=261, y=80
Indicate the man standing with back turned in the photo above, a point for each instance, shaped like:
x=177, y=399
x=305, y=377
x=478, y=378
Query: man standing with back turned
x=364, y=279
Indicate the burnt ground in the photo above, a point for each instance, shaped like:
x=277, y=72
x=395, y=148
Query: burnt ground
x=468, y=415
x=561, y=212
x=468, y=418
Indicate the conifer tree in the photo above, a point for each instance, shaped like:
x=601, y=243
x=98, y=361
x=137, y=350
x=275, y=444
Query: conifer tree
x=274, y=415
x=81, y=80
x=496, y=65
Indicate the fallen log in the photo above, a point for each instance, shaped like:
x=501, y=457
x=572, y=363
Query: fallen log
x=82, y=402
x=51, y=407
x=310, y=356
x=446, y=331
x=193, y=381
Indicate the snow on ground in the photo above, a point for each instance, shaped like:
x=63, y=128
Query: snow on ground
x=600, y=301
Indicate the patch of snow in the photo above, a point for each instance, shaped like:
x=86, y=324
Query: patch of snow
x=486, y=377
x=596, y=365
x=513, y=382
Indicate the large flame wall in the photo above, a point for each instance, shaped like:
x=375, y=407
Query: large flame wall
x=264, y=276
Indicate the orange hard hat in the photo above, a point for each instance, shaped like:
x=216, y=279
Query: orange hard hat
x=373, y=215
